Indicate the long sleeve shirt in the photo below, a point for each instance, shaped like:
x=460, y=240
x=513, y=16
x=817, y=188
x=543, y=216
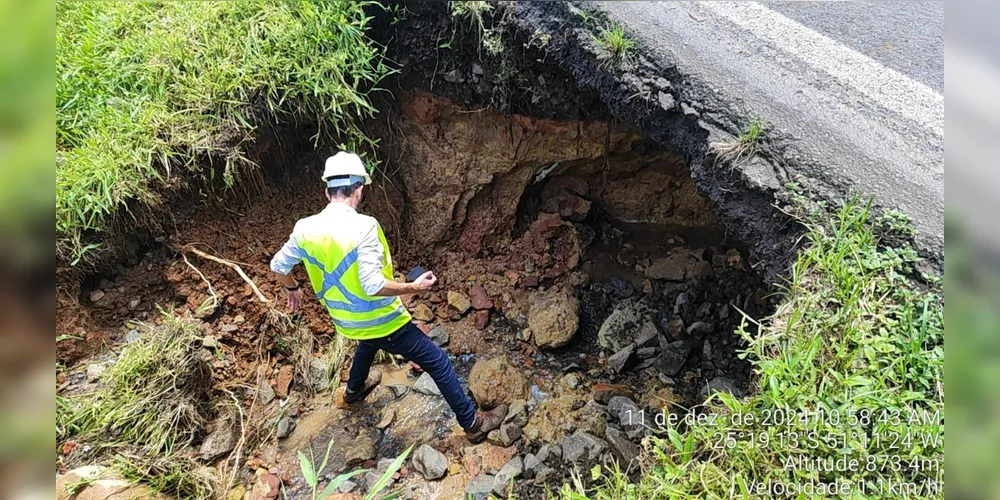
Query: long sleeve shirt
x=371, y=252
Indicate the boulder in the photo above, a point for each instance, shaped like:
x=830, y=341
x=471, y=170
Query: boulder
x=582, y=446
x=459, y=301
x=425, y=385
x=623, y=449
x=502, y=482
x=285, y=427
x=623, y=326
x=495, y=381
x=360, y=450
x=221, y=441
x=553, y=317
x=672, y=358
x=439, y=335
x=675, y=267
x=479, y=487
x=430, y=463
x=480, y=298
x=618, y=360
x=509, y=434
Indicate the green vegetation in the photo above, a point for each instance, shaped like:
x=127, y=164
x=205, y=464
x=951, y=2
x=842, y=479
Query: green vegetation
x=614, y=40
x=850, y=365
x=153, y=406
x=312, y=475
x=146, y=91
x=743, y=147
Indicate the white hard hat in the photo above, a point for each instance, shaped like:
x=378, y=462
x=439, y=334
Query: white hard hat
x=344, y=169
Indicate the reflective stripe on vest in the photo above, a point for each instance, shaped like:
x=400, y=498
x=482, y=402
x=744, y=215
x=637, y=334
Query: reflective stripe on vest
x=332, y=279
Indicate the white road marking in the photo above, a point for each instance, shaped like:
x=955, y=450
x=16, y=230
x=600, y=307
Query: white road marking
x=887, y=87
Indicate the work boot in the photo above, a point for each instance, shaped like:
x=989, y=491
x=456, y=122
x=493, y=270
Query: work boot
x=486, y=421
x=374, y=378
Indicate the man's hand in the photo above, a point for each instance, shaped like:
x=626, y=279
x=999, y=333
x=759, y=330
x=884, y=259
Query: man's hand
x=294, y=299
x=424, y=282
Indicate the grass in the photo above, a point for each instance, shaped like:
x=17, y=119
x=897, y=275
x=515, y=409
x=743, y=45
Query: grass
x=312, y=475
x=154, y=404
x=744, y=146
x=617, y=44
x=147, y=91
x=855, y=338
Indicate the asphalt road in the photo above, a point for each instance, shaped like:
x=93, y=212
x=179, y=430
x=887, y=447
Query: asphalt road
x=857, y=86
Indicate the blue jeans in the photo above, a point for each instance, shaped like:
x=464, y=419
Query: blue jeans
x=412, y=344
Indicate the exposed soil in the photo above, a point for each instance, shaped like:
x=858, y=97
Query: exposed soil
x=512, y=190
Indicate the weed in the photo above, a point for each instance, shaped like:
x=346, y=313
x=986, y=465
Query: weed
x=854, y=354
x=744, y=146
x=154, y=404
x=617, y=44
x=144, y=90
x=473, y=12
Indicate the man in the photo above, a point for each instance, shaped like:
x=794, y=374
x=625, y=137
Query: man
x=347, y=258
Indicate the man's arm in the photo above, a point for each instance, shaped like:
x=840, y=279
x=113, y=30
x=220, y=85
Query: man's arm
x=282, y=263
x=371, y=255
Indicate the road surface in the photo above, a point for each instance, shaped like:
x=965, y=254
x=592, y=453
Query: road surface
x=857, y=86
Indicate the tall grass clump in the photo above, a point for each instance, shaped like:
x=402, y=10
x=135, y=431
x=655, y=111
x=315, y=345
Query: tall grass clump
x=850, y=367
x=154, y=404
x=148, y=90
x=616, y=42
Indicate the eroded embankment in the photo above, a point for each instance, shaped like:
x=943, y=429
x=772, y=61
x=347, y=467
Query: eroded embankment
x=584, y=275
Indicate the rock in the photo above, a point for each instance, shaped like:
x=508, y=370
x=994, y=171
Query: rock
x=733, y=258
x=485, y=458
x=633, y=420
x=459, y=301
x=553, y=317
x=398, y=390
x=96, y=370
x=706, y=350
x=645, y=352
x=319, y=374
x=647, y=287
x=221, y=441
x=453, y=76
x=229, y=328
x=672, y=358
x=720, y=384
x=647, y=334
x=621, y=289
x=265, y=394
x=477, y=69
x=675, y=267
x=482, y=319
x=550, y=453
x=683, y=304
x=667, y=101
x=623, y=325
x=624, y=450
x=388, y=415
x=495, y=381
x=700, y=328
x=439, y=335
x=531, y=465
x=480, y=299
x=576, y=366
x=503, y=482
x=93, y=482
x=517, y=413
x=618, y=360
x=285, y=427
x=509, y=434
x=582, y=446
x=132, y=336
x=545, y=474
x=571, y=380
x=430, y=463
x=360, y=450
x=97, y=295
x=425, y=385
x=704, y=310
x=479, y=487
x=283, y=383
x=674, y=329
x=603, y=393
x=347, y=486
x=423, y=313
x=267, y=487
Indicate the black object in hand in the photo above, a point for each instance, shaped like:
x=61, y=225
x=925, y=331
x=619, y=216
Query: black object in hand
x=415, y=273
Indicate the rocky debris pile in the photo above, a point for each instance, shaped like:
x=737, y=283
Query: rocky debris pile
x=430, y=308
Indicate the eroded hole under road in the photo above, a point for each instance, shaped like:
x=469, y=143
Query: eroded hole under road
x=604, y=270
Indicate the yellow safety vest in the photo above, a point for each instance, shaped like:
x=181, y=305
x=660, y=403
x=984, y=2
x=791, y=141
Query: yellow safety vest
x=331, y=262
